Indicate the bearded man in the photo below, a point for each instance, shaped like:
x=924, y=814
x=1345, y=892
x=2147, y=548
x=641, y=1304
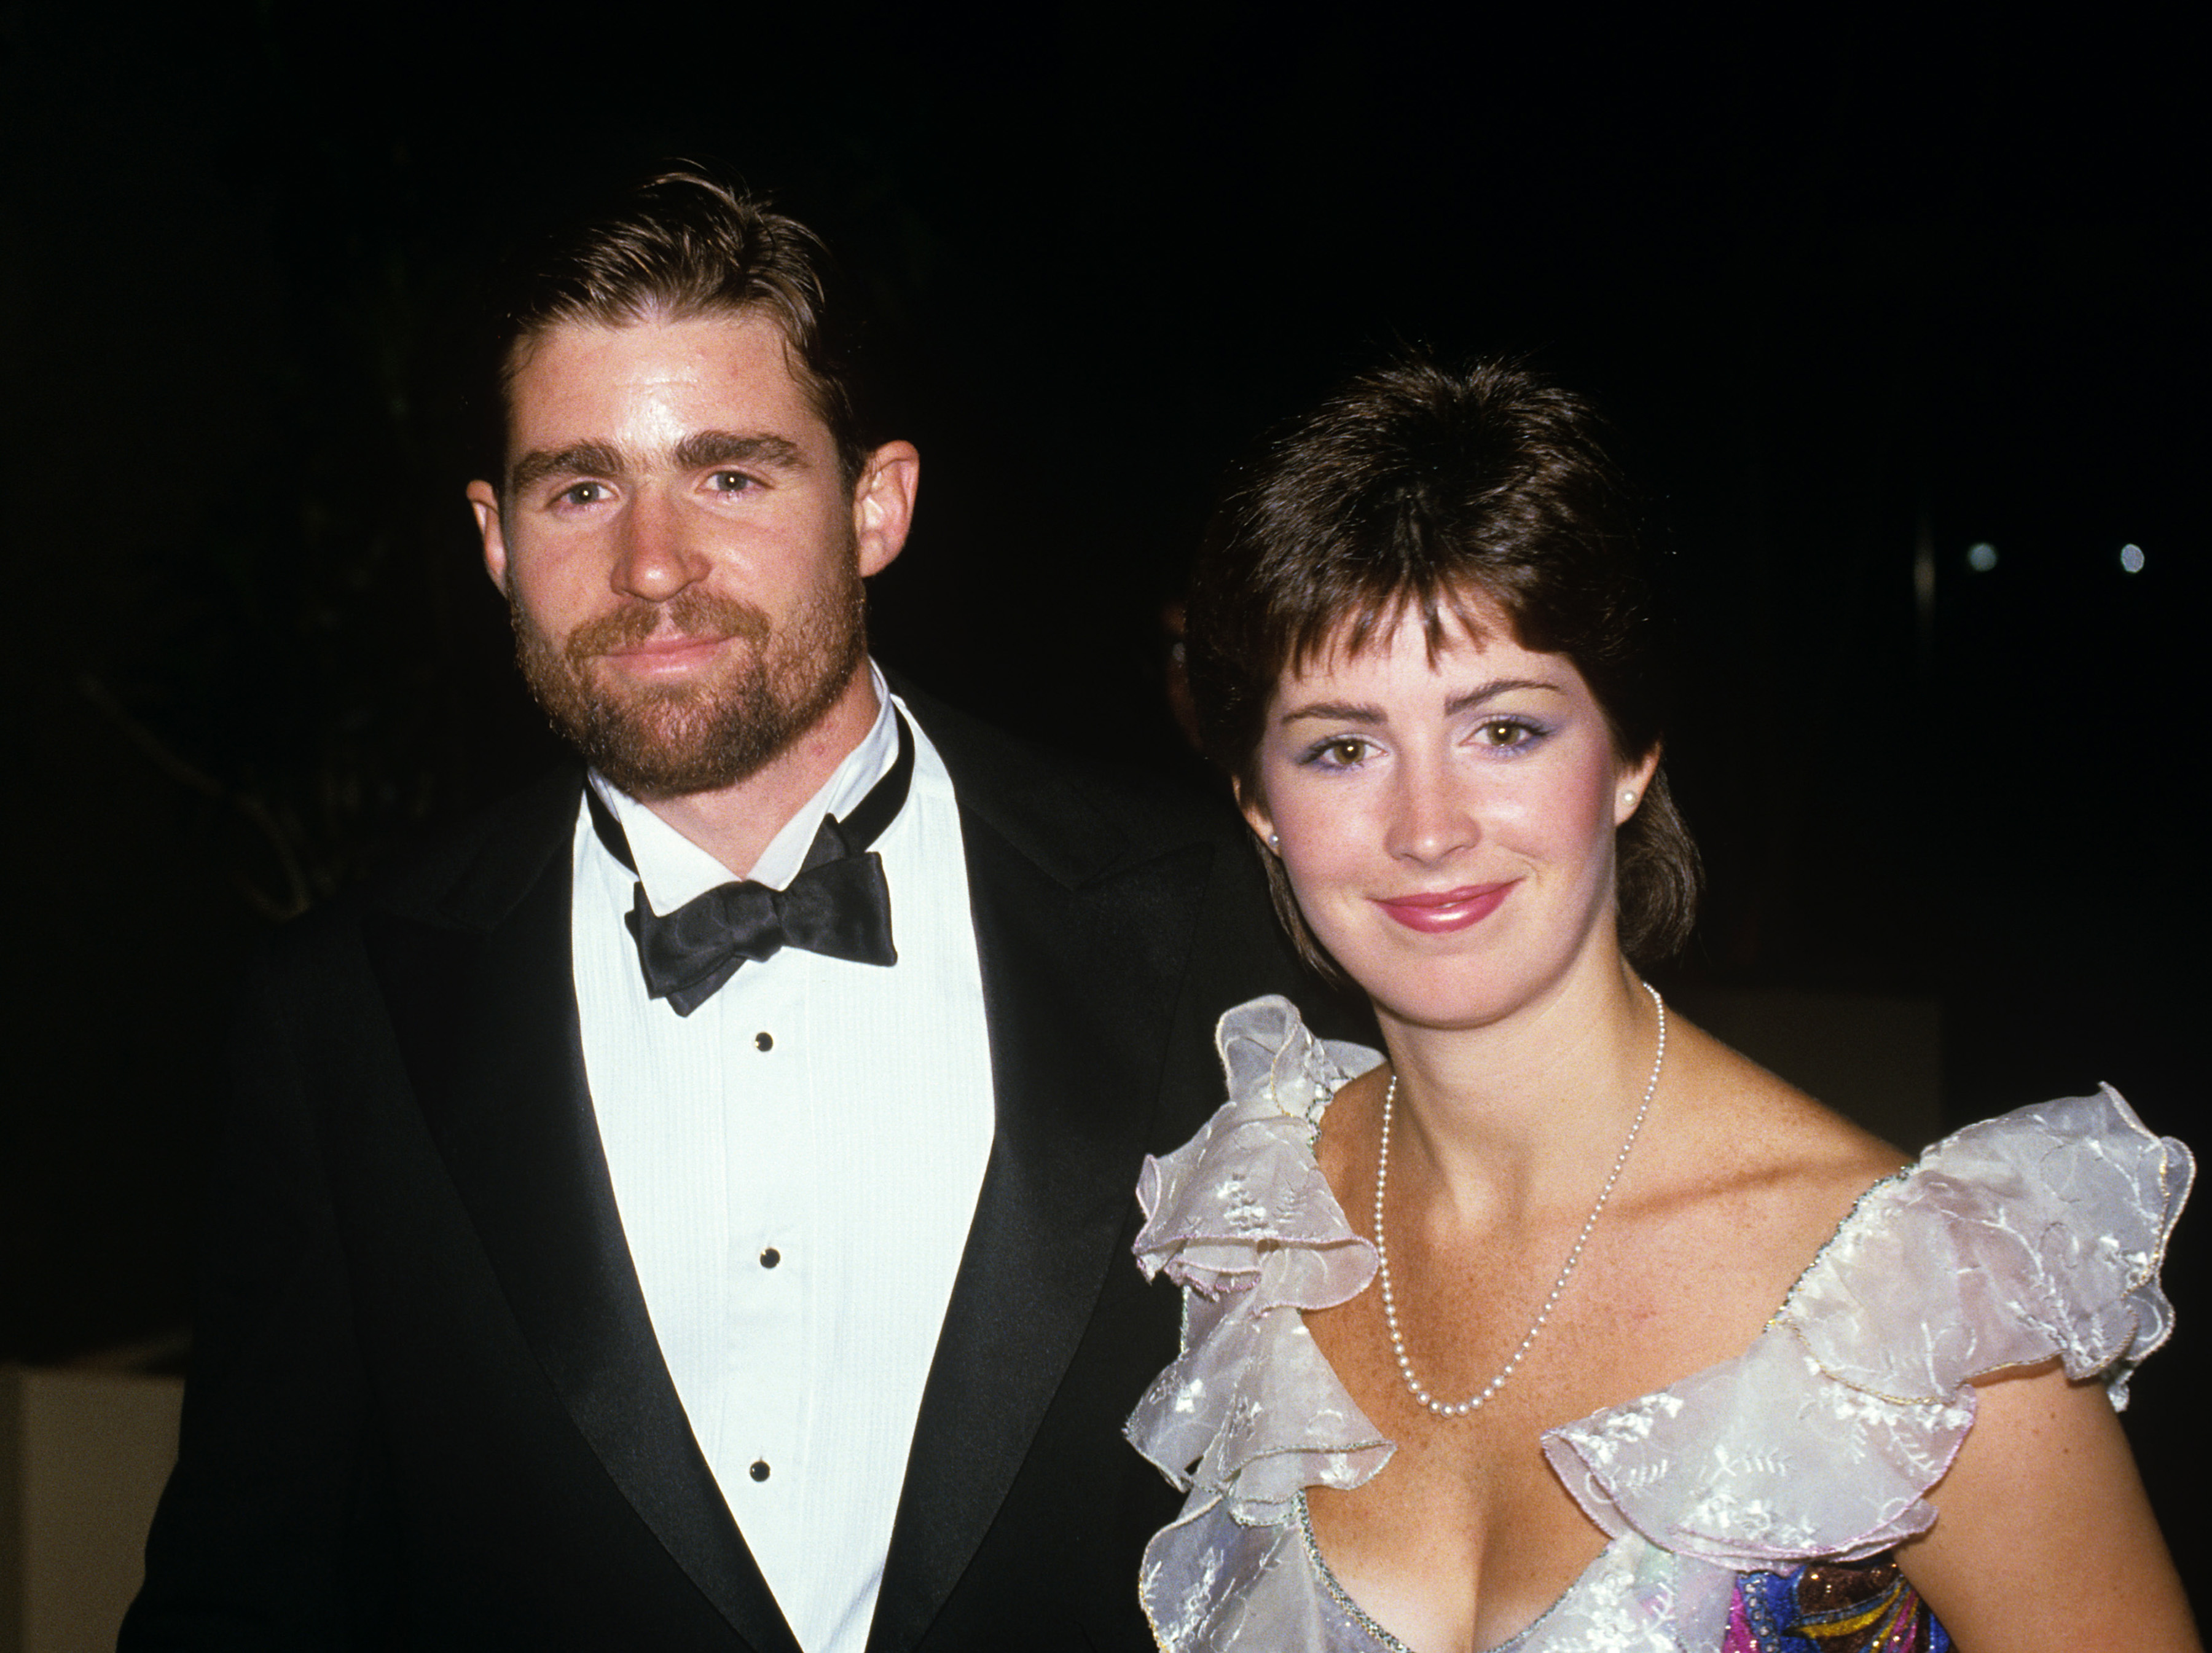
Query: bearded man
x=689, y=1208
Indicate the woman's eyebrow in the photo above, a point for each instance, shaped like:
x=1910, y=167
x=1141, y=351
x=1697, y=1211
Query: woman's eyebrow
x=1474, y=696
x=1334, y=711
x=1342, y=711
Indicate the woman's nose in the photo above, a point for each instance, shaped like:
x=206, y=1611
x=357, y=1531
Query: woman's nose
x=1432, y=819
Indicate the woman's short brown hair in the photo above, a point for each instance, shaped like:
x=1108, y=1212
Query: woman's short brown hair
x=1418, y=490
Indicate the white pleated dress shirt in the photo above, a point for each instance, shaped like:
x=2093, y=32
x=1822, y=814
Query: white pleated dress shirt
x=796, y=1165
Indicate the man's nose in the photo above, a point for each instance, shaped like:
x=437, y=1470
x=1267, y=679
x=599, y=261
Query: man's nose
x=655, y=556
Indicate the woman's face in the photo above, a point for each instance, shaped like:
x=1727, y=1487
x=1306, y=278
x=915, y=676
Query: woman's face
x=1446, y=825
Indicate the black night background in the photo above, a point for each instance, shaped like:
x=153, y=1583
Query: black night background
x=1865, y=291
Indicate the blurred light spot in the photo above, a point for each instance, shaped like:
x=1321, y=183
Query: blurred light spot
x=1982, y=557
x=2131, y=558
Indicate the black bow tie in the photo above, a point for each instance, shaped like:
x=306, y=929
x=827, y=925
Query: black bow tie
x=838, y=904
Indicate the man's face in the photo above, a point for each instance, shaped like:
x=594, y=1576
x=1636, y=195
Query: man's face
x=681, y=559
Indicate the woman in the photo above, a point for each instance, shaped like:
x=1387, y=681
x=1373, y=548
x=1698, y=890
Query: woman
x=1565, y=1326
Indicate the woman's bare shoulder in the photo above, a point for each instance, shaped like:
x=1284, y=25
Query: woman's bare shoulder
x=1777, y=1136
x=1753, y=1178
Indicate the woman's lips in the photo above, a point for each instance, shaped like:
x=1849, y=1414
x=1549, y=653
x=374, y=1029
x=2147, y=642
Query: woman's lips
x=1440, y=912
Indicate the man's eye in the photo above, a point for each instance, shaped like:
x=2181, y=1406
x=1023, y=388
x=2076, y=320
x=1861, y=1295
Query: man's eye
x=582, y=493
x=733, y=482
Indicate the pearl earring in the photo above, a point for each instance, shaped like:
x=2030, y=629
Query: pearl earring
x=1628, y=795
x=1273, y=841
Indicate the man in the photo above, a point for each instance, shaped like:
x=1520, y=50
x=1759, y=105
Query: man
x=690, y=1208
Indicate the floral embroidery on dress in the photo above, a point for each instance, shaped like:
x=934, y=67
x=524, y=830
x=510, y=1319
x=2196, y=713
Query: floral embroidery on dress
x=1752, y=1507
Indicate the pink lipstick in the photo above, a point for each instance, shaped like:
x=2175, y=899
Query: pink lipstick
x=1440, y=912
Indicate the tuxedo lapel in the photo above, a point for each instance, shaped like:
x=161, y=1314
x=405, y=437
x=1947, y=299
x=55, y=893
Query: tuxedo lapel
x=1081, y=955
x=483, y=1005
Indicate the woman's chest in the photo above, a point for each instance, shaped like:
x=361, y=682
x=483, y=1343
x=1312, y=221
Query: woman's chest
x=1467, y=1535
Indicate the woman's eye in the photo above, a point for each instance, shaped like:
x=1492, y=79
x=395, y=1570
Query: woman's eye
x=1502, y=731
x=1340, y=754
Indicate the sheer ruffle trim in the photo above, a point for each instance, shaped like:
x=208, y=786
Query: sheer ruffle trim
x=1250, y=1414
x=1241, y=1216
x=2035, y=1235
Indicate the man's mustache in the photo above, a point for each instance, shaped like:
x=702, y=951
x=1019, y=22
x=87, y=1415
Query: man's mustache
x=694, y=614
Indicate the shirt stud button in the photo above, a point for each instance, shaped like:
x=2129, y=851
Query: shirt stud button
x=770, y=1257
x=764, y=1042
x=759, y=1471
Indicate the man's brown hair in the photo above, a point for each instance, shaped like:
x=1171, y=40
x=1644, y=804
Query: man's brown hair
x=683, y=246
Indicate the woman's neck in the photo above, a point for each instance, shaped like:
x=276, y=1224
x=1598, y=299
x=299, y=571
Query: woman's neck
x=1500, y=1120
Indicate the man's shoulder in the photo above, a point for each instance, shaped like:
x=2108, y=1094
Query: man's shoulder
x=465, y=874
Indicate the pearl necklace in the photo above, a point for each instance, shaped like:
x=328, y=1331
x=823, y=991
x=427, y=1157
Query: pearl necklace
x=1475, y=1402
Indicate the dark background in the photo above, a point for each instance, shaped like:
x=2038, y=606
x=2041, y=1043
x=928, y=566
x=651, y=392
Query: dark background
x=1863, y=289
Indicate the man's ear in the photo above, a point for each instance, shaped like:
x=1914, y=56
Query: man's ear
x=882, y=504
x=483, y=499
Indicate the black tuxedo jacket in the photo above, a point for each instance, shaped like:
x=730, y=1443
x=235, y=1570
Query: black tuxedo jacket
x=427, y=1408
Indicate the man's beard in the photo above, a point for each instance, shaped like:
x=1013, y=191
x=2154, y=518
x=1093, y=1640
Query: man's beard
x=661, y=741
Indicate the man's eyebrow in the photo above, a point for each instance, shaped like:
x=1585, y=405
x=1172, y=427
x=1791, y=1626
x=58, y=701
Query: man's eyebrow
x=705, y=447
x=699, y=449
x=579, y=458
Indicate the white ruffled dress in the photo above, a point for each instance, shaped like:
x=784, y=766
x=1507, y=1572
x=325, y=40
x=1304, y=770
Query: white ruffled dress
x=2036, y=1234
